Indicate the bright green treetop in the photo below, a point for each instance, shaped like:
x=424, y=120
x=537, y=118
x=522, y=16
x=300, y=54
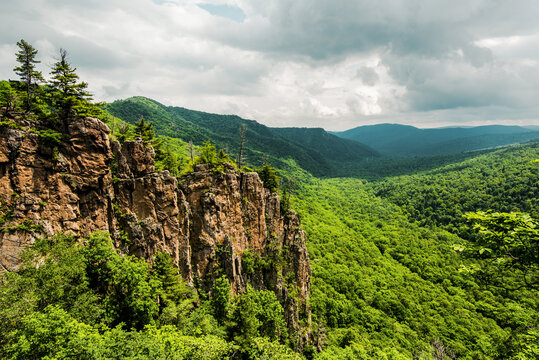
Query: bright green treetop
x=269, y=176
x=144, y=130
x=507, y=242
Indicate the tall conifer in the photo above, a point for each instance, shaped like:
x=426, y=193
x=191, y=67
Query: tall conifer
x=67, y=93
x=26, y=57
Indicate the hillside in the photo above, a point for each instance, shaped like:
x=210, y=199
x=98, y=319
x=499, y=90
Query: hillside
x=386, y=277
x=316, y=151
x=119, y=239
x=215, y=225
x=404, y=140
x=386, y=280
x=333, y=147
x=505, y=180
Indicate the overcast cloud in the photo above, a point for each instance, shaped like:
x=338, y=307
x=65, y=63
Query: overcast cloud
x=335, y=64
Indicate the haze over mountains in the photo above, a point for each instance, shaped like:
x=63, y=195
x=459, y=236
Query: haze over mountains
x=405, y=140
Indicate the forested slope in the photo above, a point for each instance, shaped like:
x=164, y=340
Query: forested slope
x=504, y=180
x=320, y=158
x=387, y=281
x=333, y=147
x=391, y=275
x=404, y=140
x=386, y=288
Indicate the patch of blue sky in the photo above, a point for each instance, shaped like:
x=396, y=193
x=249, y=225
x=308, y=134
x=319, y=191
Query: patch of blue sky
x=231, y=12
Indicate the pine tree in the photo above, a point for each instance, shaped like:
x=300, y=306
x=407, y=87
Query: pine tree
x=67, y=93
x=27, y=70
x=269, y=176
x=144, y=130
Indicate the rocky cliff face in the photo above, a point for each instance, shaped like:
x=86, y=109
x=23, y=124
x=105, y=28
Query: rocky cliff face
x=48, y=187
x=211, y=223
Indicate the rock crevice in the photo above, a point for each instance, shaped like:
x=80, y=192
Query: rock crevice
x=211, y=223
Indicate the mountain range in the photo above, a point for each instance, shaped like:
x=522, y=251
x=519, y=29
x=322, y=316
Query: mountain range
x=405, y=140
x=315, y=150
x=320, y=152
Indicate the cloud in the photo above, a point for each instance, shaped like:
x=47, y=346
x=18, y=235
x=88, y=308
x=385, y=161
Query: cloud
x=297, y=63
x=368, y=75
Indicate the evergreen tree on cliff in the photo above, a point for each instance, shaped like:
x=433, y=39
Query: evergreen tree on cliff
x=26, y=57
x=68, y=93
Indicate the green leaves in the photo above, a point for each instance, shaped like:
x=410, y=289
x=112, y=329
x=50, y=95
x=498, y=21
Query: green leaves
x=220, y=299
x=385, y=286
x=508, y=241
x=8, y=96
x=209, y=155
x=144, y=130
x=54, y=334
x=87, y=301
x=129, y=293
x=269, y=176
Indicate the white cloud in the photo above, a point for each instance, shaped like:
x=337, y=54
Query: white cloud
x=301, y=63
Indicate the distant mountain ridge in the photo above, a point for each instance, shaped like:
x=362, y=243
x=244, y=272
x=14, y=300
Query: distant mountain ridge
x=406, y=140
x=334, y=147
x=322, y=153
x=315, y=150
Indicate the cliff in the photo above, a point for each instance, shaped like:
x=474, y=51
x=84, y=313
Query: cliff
x=212, y=223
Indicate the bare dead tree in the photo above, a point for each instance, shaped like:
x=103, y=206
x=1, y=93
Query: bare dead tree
x=243, y=129
x=440, y=351
x=191, y=151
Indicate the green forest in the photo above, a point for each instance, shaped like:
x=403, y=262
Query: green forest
x=431, y=257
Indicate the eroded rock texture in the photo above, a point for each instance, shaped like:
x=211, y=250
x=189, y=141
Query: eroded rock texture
x=211, y=223
x=46, y=188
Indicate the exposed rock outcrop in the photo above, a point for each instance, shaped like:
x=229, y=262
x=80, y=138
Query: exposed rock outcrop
x=47, y=188
x=211, y=223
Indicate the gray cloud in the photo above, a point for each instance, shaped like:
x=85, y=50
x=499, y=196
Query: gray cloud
x=335, y=64
x=323, y=29
x=368, y=76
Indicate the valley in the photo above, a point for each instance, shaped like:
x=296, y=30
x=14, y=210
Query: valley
x=135, y=230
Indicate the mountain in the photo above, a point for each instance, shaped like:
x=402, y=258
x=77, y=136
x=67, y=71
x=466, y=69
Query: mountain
x=404, y=140
x=386, y=279
x=314, y=150
x=333, y=147
x=103, y=257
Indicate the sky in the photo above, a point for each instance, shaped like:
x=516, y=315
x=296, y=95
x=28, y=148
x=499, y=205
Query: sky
x=335, y=64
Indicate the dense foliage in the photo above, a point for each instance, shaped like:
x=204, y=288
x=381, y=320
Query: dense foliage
x=507, y=246
x=322, y=154
x=387, y=288
x=506, y=180
x=86, y=301
x=440, y=263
